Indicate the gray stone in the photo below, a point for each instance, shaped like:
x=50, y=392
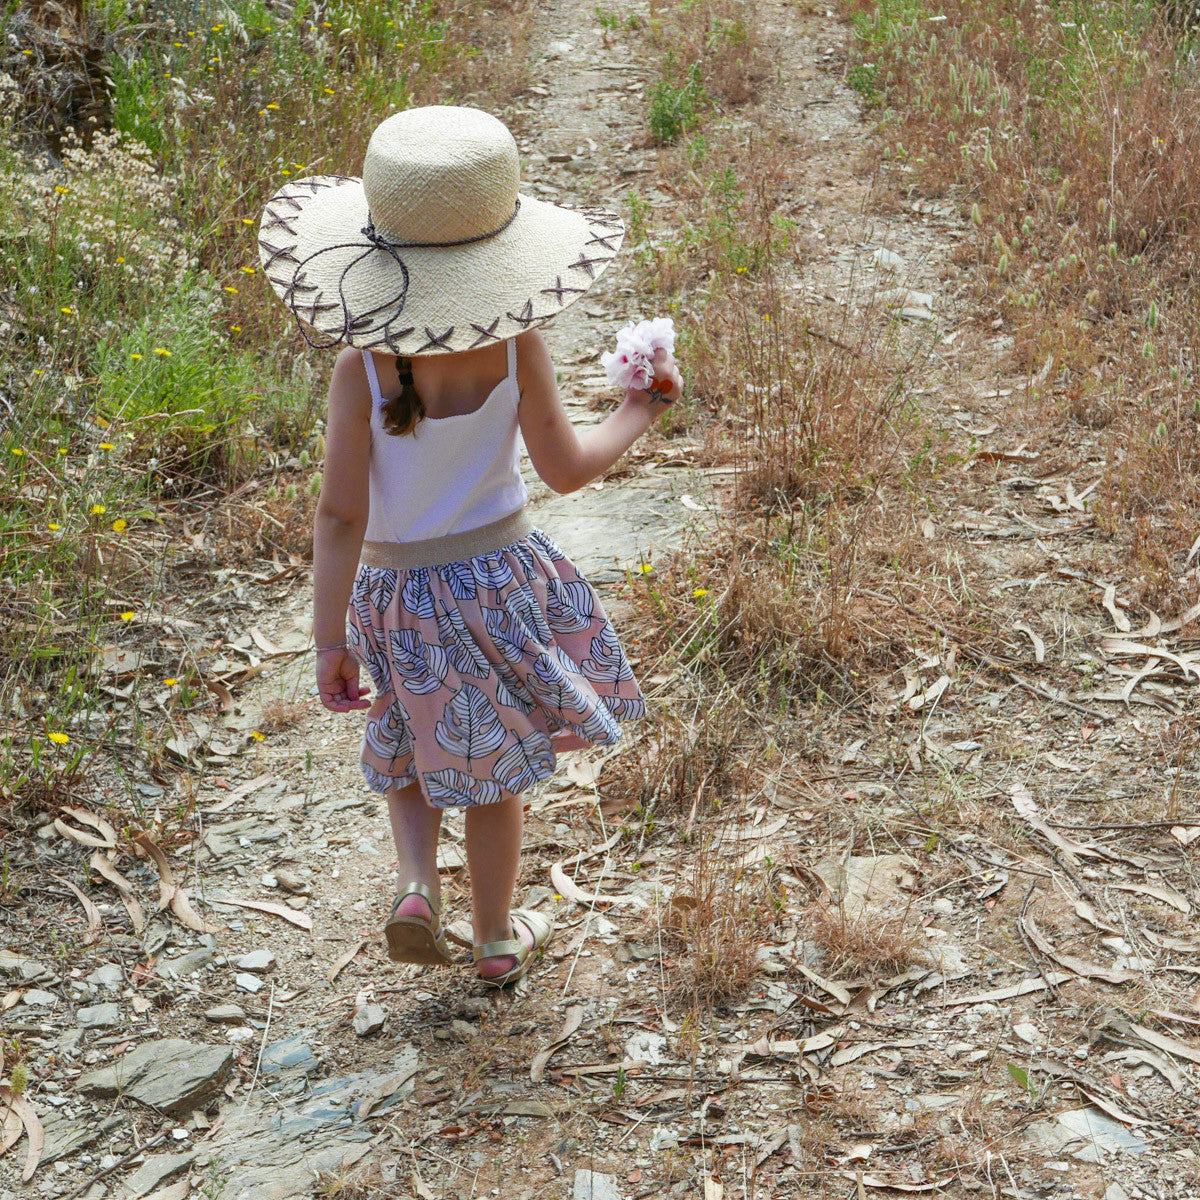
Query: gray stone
x=64, y=1136
x=20, y=969
x=98, y=1016
x=155, y=1170
x=293, y=1052
x=371, y=1019
x=225, y=1014
x=592, y=1185
x=108, y=976
x=247, y=982
x=257, y=961
x=39, y=999
x=647, y=1046
x=185, y=964
x=1115, y=1191
x=170, y=1074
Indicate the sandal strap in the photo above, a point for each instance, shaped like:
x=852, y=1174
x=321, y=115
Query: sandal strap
x=424, y=891
x=506, y=946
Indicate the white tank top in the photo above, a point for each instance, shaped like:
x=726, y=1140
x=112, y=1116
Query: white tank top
x=449, y=475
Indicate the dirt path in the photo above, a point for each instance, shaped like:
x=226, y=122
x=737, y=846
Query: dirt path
x=906, y=1078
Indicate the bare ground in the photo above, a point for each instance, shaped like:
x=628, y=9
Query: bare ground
x=1025, y=832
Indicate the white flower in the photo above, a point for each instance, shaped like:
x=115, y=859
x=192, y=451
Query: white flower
x=629, y=366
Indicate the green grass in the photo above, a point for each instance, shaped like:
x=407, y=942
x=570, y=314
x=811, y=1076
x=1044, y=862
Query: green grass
x=147, y=372
x=675, y=103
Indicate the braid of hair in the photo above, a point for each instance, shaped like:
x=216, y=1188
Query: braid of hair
x=401, y=415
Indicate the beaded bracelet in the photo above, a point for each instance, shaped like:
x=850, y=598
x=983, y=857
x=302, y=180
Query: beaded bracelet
x=335, y=646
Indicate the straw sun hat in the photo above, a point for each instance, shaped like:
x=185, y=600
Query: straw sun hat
x=433, y=249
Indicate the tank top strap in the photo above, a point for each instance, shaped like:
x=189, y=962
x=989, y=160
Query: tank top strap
x=373, y=379
x=511, y=343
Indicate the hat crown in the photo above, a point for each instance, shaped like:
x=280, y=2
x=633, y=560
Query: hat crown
x=440, y=174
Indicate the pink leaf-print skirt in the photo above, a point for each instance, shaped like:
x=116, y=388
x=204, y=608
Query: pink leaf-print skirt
x=491, y=665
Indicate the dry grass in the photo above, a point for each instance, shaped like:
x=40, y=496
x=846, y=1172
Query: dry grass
x=719, y=915
x=865, y=946
x=1073, y=143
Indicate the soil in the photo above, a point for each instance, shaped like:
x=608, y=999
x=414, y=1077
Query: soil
x=931, y=1077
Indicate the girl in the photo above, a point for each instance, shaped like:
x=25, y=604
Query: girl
x=487, y=649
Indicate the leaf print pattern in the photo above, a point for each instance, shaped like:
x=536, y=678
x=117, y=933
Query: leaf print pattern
x=608, y=663
x=493, y=665
x=416, y=597
x=524, y=763
x=470, y=727
x=459, y=578
x=457, y=789
x=562, y=614
x=422, y=667
x=467, y=658
x=491, y=571
x=523, y=607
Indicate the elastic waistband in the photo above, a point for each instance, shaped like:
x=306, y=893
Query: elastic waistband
x=454, y=547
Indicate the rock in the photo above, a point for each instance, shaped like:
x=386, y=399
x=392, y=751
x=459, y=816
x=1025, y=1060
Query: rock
x=156, y=1169
x=291, y=882
x=185, y=964
x=663, y=1139
x=247, y=982
x=39, y=999
x=225, y=1014
x=1029, y=1033
x=1115, y=1191
x=592, y=1185
x=862, y=882
x=20, y=969
x=1096, y=1135
x=293, y=1052
x=257, y=961
x=98, y=1016
x=170, y=1074
x=888, y=259
x=371, y=1019
x=109, y=976
x=648, y=1047
x=64, y=1137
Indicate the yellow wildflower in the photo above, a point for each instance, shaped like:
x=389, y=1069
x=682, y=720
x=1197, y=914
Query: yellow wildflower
x=135, y=356
x=249, y=270
x=258, y=737
x=329, y=92
x=106, y=446
x=120, y=259
x=171, y=682
x=62, y=449
x=645, y=569
x=99, y=510
x=272, y=106
x=231, y=290
x=247, y=220
x=128, y=616
x=62, y=191
x=38, y=371
x=66, y=311
x=236, y=328
x=59, y=738
x=699, y=592
x=120, y=525
x=54, y=526
x=162, y=351
x=18, y=450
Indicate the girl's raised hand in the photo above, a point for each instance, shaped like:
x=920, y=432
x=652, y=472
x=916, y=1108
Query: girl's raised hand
x=667, y=386
x=337, y=681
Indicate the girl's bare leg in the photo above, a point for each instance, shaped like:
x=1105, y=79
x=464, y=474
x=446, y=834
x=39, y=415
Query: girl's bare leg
x=415, y=829
x=493, y=837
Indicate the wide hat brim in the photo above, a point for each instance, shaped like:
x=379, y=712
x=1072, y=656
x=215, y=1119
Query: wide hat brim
x=413, y=300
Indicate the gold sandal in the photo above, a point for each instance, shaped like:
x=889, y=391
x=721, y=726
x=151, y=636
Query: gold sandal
x=537, y=925
x=414, y=939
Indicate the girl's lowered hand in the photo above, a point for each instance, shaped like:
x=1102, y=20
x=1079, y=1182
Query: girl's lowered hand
x=337, y=681
x=666, y=373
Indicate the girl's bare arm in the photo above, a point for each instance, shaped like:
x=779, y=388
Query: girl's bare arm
x=567, y=458
x=343, y=507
